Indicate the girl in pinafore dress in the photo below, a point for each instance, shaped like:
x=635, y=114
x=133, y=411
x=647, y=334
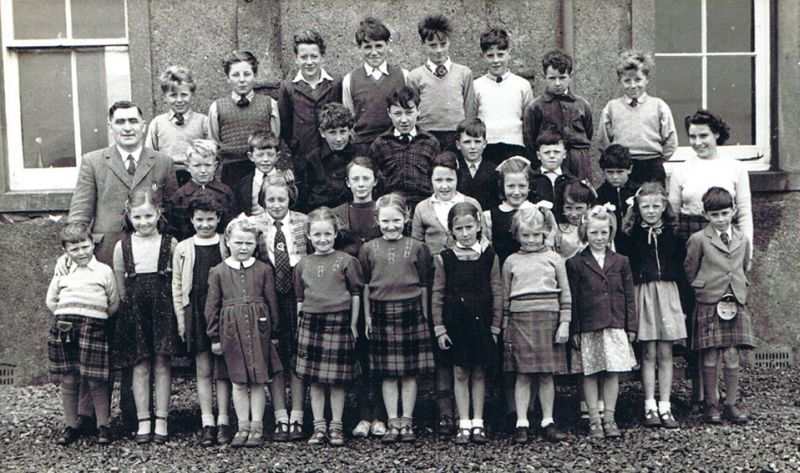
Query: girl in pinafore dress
x=146, y=335
x=536, y=308
x=241, y=310
x=716, y=265
x=467, y=310
x=656, y=256
x=396, y=274
x=603, y=312
x=193, y=259
x=328, y=285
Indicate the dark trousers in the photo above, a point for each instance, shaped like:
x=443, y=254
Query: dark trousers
x=499, y=152
x=233, y=172
x=648, y=170
x=446, y=139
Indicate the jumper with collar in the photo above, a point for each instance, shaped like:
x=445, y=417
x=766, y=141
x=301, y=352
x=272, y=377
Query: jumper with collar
x=444, y=101
x=713, y=269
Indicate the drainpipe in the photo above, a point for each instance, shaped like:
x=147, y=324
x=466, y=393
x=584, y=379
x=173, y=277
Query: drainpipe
x=568, y=26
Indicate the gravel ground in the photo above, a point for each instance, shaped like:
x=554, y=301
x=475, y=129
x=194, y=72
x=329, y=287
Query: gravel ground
x=30, y=417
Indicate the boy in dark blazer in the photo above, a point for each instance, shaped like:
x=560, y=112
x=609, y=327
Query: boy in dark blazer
x=477, y=176
x=264, y=152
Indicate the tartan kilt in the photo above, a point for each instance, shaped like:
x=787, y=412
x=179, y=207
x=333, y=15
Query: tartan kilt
x=86, y=351
x=287, y=328
x=710, y=331
x=530, y=344
x=399, y=344
x=326, y=350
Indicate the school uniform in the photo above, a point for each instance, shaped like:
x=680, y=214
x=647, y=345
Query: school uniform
x=604, y=310
x=481, y=183
x=326, y=348
x=714, y=269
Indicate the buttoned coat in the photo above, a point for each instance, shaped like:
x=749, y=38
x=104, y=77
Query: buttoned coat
x=712, y=267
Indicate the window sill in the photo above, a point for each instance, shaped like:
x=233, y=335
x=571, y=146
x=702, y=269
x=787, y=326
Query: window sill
x=41, y=201
x=774, y=181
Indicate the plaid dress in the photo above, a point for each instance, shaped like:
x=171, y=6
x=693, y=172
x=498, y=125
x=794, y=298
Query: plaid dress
x=326, y=349
x=146, y=324
x=400, y=344
x=83, y=348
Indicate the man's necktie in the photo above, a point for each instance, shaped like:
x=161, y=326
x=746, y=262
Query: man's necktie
x=441, y=71
x=179, y=120
x=473, y=170
x=725, y=238
x=131, y=165
x=283, y=270
x=498, y=79
x=243, y=101
x=405, y=139
x=634, y=102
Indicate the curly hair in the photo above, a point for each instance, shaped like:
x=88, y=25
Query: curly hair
x=714, y=122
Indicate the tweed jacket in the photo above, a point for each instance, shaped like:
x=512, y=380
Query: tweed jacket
x=712, y=268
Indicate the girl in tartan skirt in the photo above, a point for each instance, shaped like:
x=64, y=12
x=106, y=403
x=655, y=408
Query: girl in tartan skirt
x=537, y=313
x=396, y=274
x=82, y=300
x=328, y=288
x=146, y=335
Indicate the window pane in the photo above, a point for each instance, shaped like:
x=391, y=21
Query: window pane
x=730, y=94
x=678, y=81
x=92, y=98
x=730, y=25
x=46, y=102
x=677, y=26
x=98, y=18
x=31, y=21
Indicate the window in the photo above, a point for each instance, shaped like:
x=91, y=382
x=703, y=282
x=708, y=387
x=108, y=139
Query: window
x=65, y=63
x=714, y=54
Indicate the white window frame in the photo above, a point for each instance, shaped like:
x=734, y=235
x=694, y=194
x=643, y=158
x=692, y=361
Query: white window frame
x=118, y=88
x=756, y=157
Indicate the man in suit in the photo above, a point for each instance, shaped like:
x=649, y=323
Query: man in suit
x=106, y=179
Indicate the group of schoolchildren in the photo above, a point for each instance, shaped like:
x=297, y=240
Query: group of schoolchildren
x=455, y=234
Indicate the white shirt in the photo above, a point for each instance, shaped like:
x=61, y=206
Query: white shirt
x=268, y=227
x=442, y=207
x=432, y=67
x=411, y=133
x=322, y=76
x=137, y=153
x=375, y=73
x=476, y=247
x=258, y=179
x=552, y=175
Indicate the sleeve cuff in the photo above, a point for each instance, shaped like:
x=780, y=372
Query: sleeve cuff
x=496, y=331
x=439, y=330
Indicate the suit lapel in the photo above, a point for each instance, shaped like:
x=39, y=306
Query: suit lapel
x=716, y=241
x=485, y=172
x=737, y=240
x=144, y=166
x=589, y=261
x=114, y=161
x=611, y=260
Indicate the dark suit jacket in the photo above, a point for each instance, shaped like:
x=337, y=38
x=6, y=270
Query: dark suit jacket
x=711, y=267
x=482, y=187
x=601, y=297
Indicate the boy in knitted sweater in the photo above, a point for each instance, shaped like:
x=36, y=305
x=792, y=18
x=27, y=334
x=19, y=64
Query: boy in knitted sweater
x=445, y=88
x=82, y=301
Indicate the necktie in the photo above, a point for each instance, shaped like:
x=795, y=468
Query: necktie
x=179, y=119
x=634, y=102
x=725, y=238
x=441, y=71
x=243, y=101
x=131, y=164
x=498, y=79
x=283, y=271
x=405, y=139
x=472, y=170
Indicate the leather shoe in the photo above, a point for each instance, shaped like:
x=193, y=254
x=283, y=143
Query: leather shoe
x=521, y=435
x=552, y=433
x=209, y=436
x=68, y=435
x=142, y=439
x=103, y=435
x=711, y=414
x=224, y=436
x=734, y=415
x=611, y=429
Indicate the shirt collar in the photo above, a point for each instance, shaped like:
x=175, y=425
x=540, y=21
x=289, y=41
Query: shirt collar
x=93, y=264
x=568, y=96
x=412, y=133
x=432, y=67
x=235, y=97
x=727, y=230
x=457, y=198
x=557, y=172
x=641, y=99
x=214, y=184
x=322, y=76
x=137, y=153
x=525, y=205
x=238, y=264
x=476, y=247
x=493, y=77
x=383, y=68
x=477, y=163
x=285, y=220
x=186, y=116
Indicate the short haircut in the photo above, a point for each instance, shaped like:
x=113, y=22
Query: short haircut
x=372, y=29
x=532, y=217
x=558, y=60
x=205, y=203
x=714, y=122
x=392, y=200
x=202, y=148
x=75, y=233
x=262, y=140
x=309, y=37
x=335, y=115
x=512, y=165
x=495, y=37
x=580, y=192
x=473, y=127
x=717, y=198
x=598, y=213
x=434, y=27
x=632, y=60
x=461, y=209
x=616, y=157
x=242, y=224
x=550, y=136
x=363, y=162
x=279, y=179
x=176, y=76
x=445, y=159
x=322, y=214
x=404, y=97
x=123, y=104
x=239, y=56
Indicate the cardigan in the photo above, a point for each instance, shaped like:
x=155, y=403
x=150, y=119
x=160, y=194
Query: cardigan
x=714, y=269
x=427, y=228
x=183, y=273
x=601, y=297
x=659, y=259
x=90, y=291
